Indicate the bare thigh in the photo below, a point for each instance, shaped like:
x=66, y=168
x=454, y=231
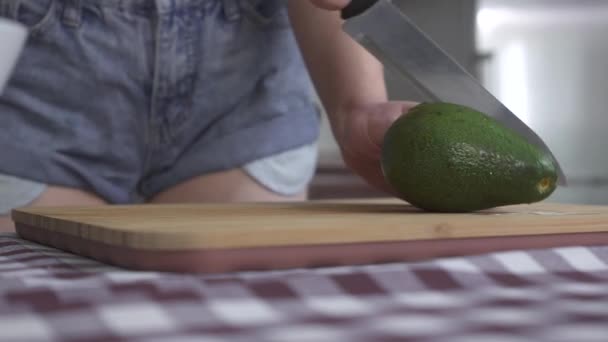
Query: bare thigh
x=228, y=186
x=56, y=196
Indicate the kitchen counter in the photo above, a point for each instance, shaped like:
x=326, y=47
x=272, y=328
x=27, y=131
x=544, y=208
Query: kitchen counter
x=555, y=294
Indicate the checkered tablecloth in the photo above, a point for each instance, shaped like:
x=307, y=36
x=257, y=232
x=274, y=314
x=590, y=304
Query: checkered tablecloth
x=541, y=295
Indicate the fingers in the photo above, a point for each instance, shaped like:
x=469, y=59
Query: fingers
x=361, y=138
x=371, y=172
x=381, y=118
x=362, y=133
x=333, y=5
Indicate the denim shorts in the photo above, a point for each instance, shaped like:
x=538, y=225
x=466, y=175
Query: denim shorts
x=126, y=98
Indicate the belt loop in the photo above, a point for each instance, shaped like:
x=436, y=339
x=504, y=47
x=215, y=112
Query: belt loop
x=72, y=13
x=232, y=10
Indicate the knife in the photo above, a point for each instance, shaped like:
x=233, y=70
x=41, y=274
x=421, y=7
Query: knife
x=387, y=33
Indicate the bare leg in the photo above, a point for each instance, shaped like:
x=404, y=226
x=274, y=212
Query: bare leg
x=228, y=186
x=55, y=196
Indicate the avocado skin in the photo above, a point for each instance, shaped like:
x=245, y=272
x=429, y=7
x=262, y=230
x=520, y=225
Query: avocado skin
x=444, y=157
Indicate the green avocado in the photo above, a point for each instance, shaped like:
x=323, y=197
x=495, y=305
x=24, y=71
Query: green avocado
x=444, y=157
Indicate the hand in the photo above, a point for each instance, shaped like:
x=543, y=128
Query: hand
x=330, y=4
x=360, y=134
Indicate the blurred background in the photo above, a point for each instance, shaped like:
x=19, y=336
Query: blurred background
x=547, y=60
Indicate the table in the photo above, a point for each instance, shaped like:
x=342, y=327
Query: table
x=535, y=295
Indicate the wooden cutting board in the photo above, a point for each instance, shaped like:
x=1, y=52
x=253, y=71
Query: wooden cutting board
x=230, y=237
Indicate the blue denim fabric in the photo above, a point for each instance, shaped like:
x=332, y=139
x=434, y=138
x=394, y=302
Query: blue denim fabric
x=126, y=98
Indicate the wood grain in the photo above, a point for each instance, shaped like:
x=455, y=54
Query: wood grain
x=221, y=226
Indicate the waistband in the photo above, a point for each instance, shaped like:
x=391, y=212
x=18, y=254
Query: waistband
x=230, y=8
x=161, y=6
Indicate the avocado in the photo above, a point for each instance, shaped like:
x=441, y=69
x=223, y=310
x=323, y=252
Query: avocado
x=445, y=157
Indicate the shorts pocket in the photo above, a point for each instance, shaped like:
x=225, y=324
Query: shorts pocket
x=36, y=15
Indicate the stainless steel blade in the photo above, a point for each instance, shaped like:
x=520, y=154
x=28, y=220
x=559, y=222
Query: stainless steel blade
x=395, y=40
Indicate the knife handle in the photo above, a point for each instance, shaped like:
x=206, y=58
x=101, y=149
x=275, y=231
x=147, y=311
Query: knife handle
x=356, y=7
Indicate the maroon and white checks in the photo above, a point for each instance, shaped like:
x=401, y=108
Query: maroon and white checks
x=541, y=295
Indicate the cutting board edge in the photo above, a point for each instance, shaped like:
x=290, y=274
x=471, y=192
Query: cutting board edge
x=284, y=257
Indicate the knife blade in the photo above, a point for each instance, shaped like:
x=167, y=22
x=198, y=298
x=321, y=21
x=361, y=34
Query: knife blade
x=387, y=33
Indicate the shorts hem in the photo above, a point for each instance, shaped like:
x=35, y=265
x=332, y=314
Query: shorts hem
x=40, y=167
x=244, y=146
